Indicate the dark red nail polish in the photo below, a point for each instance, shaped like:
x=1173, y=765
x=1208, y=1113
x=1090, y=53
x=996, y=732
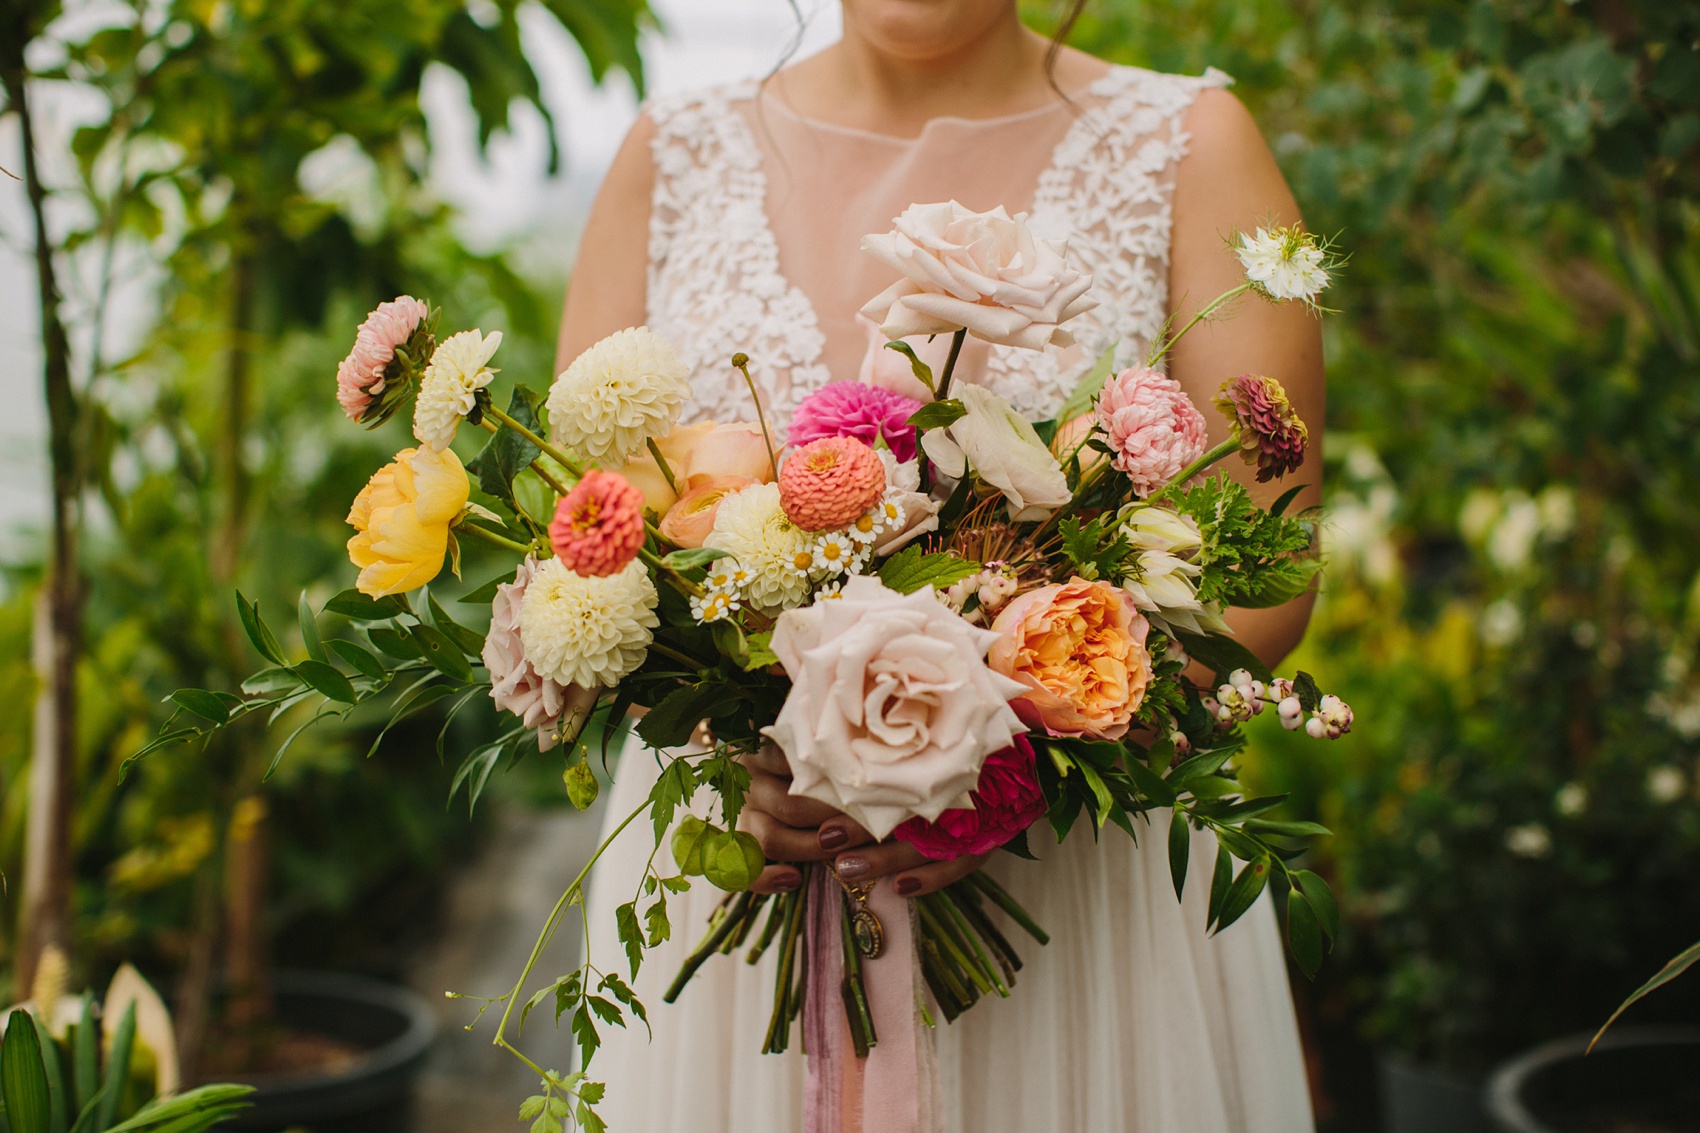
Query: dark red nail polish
x=832, y=837
x=786, y=882
x=908, y=886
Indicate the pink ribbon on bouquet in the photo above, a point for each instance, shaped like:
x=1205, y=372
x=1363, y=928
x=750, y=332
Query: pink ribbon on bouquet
x=894, y=1089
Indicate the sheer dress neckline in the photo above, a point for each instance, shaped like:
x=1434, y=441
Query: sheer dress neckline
x=772, y=100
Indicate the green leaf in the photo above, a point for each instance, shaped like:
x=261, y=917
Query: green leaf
x=1278, y=587
x=585, y=1032
x=361, y=660
x=1280, y=506
x=255, y=627
x=57, y=1117
x=327, y=681
x=23, y=1078
x=395, y=643
x=192, y=1112
x=938, y=414
x=1221, y=878
x=671, y=723
x=270, y=680
x=1321, y=900
x=309, y=629
x=414, y=699
x=117, y=1070
x=1197, y=766
x=582, y=787
x=207, y=705
x=1152, y=787
x=1223, y=655
x=693, y=557
x=761, y=653
x=923, y=372
x=1180, y=847
x=626, y=924
x=1245, y=889
x=1281, y=829
x=689, y=837
x=470, y=641
x=1305, y=688
x=732, y=860
x=1304, y=934
x=85, y=1057
x=441, y=653
x=1684, y=960
x=909, y=570
x=507, y=453
x=475, y=771
x=485, y=594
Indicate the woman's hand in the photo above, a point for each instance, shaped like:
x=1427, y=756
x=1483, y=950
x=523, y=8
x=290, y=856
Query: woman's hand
x=794, y=829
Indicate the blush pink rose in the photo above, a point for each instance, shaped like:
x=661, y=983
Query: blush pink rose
x=1078, y=648
x=1151, y=426
x=1006, y=802
x=515, y=685
x=360, y=377
x=690, y=521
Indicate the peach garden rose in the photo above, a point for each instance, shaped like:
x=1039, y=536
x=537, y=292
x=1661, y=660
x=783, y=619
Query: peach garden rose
x=1078, y=648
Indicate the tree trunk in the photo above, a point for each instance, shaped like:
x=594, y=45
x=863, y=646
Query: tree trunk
x=46, y=916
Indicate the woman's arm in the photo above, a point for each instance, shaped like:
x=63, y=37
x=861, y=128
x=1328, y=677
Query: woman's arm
x=1227, y=181
x=609, y=281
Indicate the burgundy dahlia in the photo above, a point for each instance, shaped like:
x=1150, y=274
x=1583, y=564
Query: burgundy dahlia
x=1270, y=432
x=1007, y=801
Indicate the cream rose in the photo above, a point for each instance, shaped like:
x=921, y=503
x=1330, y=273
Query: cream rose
x=892, y=709
x=1004, y=451
x=985, y=272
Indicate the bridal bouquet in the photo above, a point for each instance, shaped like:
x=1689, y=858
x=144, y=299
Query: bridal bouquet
x=954, y=622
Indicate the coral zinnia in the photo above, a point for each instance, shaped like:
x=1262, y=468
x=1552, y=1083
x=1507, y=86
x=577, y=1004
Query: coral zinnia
x=1271, y=435
x=852, y=409
x=1151, y=425
x=830, y=482
x=598, y=526
x=1007, y=801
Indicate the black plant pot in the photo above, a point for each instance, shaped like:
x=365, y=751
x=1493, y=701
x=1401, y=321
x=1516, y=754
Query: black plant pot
x=392, y=1025
x=1428, y=1099
x=1639, y=1080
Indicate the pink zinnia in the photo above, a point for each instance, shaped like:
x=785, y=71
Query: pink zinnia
x=360, y=378
x=852, y=409
x=1152, y=427
x=1271, y=434
x=598, y=526
x=830, y=483
x=1006, y=802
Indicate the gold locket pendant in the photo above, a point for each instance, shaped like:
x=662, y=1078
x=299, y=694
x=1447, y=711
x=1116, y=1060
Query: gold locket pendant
x=865, y=927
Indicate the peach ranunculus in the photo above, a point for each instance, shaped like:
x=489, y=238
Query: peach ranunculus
x=1079, y=649
x=401, y=520
x=691, y=519
x=698, y=455
x=984, y=272
x=892, y=709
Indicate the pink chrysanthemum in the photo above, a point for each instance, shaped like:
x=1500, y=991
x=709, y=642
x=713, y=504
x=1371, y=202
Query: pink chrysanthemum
x=1006, y=802
x=598, y=526
x=852, y=409
x=360, y=377
x=1271, y=434
x=1151, y=425
x=829, y=483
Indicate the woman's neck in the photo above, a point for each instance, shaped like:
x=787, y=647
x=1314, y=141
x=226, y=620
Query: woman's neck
x=865, y=84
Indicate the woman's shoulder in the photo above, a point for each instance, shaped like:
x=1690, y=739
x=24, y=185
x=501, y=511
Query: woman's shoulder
x=1141, y=86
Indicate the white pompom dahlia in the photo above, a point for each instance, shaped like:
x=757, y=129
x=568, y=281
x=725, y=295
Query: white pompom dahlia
x=587, y=631
x=617, y=395
x=458, y=370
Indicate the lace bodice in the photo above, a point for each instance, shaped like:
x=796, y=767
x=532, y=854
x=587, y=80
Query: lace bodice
x=716, y=288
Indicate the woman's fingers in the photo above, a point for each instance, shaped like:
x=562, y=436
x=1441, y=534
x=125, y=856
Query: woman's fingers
x=778, y=879
x=934, y=876
x=767, y=759
x=865, y=863
x=841, y=832
x=772, y=795
x=779, y=842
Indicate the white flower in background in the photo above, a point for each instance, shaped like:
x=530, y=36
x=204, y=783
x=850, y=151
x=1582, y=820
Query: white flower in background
x=984, y=272
x=752, y=527
x=900, y=475
x=1531, y=840
x=1501, y=622
x=1284, y=264
x=1570, y=800
x=587, y=631
x=617, y=395
x=1004, y=451
x=457, y=371
x=1666, y=784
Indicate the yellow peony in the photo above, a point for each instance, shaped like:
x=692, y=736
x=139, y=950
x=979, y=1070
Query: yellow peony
x=401, y=518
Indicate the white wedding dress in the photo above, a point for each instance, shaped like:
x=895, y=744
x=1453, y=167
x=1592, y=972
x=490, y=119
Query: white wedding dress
x=1133, y=1019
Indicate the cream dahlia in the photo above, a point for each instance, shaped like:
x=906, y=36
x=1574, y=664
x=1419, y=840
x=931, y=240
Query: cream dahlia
x=617, y=395
x=458, y=370
x=752, y=527
x=587, y=631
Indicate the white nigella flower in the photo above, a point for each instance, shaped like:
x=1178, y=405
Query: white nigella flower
x=587, y=631
x=617, y=395
x=777, y=555
x=1284, y=264
x=457, y=371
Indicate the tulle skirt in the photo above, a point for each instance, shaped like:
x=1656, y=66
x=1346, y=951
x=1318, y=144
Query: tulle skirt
x=1131, y=1020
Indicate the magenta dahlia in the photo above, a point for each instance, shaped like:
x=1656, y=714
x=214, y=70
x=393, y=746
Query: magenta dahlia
x=852, y=409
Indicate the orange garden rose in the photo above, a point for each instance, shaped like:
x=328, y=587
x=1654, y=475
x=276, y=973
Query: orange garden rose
x=401, y=520
x=1079, y=647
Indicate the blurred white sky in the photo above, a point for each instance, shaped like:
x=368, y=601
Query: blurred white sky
x=504, y=200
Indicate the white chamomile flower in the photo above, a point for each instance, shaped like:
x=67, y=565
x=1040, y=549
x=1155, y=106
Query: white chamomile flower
x=834, y=552
x=714, y=606
x=457, y=371
x=617, y=395
x=890, y=511
x=1284, y=263
x=833, y=589
x=866, y=528
x=721, y=576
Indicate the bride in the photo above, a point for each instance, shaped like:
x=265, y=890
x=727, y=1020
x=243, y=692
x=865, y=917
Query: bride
x=751, y=201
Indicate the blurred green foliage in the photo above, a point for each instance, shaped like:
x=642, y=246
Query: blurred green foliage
x=1513, y=593
x=216, y=455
